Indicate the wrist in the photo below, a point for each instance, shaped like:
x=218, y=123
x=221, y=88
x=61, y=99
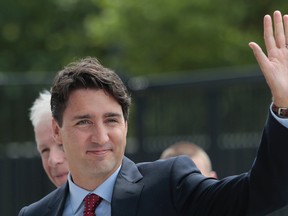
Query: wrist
x=281, y=112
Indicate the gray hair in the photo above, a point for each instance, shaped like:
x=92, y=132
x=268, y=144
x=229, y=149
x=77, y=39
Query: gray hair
x=40, y=107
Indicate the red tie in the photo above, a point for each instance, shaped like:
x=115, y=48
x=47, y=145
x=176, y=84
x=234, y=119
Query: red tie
x=91, y=201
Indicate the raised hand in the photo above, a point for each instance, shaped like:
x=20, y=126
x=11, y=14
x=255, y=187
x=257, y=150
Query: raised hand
x=274, y=65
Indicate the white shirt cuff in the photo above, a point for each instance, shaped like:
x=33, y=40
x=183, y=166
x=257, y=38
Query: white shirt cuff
x=283, y=121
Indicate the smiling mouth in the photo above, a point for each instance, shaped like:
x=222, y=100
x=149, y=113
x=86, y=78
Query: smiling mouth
x=61, y=175
x=98, y=152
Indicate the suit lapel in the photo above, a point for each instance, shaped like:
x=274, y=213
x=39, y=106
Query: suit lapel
x=127, y=190
x=57, y=202
x=126, y=193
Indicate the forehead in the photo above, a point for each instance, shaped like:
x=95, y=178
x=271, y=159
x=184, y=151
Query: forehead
x=44, y=125
x=44, y=134
x=91, y=100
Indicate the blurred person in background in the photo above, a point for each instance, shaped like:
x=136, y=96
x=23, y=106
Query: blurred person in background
x=195, y=152
x=52, y=155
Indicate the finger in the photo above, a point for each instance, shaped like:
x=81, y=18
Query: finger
x=285, y=18
x=260, y=56
x=279, y=30
x=268, y=33
x=264, y=64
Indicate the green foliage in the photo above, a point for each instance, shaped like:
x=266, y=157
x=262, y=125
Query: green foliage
x=138, y=37
x=44, y=35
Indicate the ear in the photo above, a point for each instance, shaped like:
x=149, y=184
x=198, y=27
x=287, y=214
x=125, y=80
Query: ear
x=56, y=131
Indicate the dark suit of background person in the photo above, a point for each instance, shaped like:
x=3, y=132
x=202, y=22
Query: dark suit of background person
x=165, y=187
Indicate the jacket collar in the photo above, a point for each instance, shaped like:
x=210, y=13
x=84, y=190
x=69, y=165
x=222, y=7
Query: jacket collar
x=126, y=193
x=127, y=190
x=57, y=203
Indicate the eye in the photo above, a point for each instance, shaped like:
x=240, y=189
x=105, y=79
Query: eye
x=112, y=120
x=44, y=150
x=84, y=122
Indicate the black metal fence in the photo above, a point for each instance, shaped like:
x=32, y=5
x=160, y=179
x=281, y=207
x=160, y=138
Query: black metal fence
x=223, y=111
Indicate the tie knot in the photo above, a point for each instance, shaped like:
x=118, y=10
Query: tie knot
x=91, y=202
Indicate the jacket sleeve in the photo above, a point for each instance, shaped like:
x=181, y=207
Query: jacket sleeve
x=269, y=174
x=260, y=191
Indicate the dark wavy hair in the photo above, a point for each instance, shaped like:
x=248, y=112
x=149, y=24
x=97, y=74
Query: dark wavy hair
x=84, y=74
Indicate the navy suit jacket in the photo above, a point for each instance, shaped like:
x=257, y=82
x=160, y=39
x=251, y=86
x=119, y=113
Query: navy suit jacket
x=175, y=186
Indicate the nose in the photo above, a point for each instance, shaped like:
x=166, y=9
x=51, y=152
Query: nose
x=100, y=134
x=56, y=157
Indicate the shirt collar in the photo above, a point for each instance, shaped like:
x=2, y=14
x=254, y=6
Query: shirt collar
x=104, y=190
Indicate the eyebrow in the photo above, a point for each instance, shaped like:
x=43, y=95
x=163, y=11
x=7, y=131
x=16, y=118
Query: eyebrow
x=88, y=116
x=112, y=114
x=85, y=116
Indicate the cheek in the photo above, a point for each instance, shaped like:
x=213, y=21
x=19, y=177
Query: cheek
x=62, y=154
x=72, y=142
x=45, y=164
x=120, y=138
x=69, y=136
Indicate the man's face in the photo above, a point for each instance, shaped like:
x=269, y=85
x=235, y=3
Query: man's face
x=94, y=136
x=52, y=154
